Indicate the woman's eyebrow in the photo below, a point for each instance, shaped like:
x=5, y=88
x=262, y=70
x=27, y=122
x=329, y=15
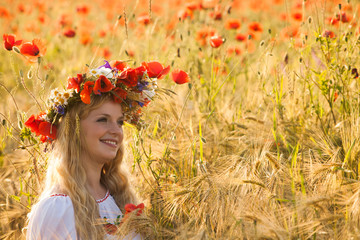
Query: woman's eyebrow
x=108, y=115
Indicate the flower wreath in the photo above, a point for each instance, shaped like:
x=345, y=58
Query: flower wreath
x=133, y=88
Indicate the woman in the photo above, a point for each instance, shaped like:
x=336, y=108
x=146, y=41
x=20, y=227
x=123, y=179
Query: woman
x=85, y=187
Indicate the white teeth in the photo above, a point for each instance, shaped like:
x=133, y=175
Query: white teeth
x=110, y=142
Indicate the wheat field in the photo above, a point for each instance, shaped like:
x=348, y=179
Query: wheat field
x=262, y=143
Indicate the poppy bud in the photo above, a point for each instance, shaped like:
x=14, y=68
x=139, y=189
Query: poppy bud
x=16, y=49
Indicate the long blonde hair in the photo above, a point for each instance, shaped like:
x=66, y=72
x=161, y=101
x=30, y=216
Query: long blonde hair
x=65, y=172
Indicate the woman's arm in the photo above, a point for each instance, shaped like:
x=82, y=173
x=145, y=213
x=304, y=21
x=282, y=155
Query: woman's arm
x=52, y=218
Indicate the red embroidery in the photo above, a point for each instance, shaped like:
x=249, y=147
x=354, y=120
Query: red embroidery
x=58, y=194
x=104, y=198
x=98, y=201
x=110, y=228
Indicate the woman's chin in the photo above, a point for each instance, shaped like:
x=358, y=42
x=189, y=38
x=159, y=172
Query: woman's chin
x=109, y=159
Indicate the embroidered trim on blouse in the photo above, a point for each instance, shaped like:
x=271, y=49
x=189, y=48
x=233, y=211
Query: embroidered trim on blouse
x=58, y=194
x=97, y=201
x=104, y=198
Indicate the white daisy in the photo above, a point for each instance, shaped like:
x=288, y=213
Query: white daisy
x=102, y=71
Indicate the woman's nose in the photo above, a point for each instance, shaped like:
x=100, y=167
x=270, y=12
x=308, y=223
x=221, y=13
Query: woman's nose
x=115, y=128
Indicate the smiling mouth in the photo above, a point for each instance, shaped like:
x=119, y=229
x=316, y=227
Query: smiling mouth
x=110, y=143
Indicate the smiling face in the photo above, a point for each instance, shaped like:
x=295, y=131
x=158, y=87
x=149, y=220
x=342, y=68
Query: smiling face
x=102, y=132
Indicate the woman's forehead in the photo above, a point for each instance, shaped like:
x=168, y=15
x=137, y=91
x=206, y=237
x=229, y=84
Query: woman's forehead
x=108, y=108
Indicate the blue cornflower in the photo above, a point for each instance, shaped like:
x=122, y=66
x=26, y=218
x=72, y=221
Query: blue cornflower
x=106, y=65
x=60, y=109
x=141, y=85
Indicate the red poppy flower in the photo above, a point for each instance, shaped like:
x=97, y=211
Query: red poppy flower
x=21, y=7
x=251, y=35
x=65, y=20
x=143, y=19
x=240, y=37
x=203, y=34
x=4, y=13
x=47, y=129
x=44, y=139
x=140, y=71
x=69, y=33
x=290, y=31
x=343, y=17
x=85, y=93
x=119, y=65
x=192, y=5
x=103, y=84
x=33, y=124
x=102, y=33
x=105, y=52
x=297, y=16
x=131, y=53
x=131, y=207
x=85, y=38
x=9, y=41
x=155, y=69
x=33, y=50
x=119, y=95
x=185, y=13
x=42, y=18
x=84, y=9
x=216, y=41
x=232, y=24
x=40, y=127
x=328, y=34
x=41, y=6
x=74, y=83
x=128, y=77
x=216, y=15
x=30, y=49
x=179, y=76
x=235, y=50
x=256, y=27
x=332, y=21
x=283, y=17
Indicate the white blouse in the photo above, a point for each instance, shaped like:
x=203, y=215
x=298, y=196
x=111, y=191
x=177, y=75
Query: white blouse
x=53, y=218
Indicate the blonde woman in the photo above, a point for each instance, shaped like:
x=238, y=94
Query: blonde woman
x=85, y=189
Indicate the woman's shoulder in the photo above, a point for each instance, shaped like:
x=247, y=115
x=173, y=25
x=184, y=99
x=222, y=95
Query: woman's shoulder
x=54, y=202
x=53, y=207
x=53, y=215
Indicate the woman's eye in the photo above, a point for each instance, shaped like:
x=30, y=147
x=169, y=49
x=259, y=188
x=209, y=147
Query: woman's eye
x=101, y=120
x=121, y=122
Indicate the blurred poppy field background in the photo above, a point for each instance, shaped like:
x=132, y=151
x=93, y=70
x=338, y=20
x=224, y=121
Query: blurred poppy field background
x=261, y=139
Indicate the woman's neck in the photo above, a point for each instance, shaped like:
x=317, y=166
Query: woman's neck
x=93, y=184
